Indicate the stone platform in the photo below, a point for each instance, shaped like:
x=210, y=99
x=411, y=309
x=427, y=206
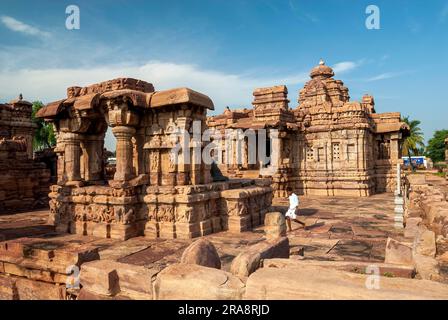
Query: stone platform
x=344, y=235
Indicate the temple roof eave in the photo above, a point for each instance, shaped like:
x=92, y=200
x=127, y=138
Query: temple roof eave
x=138, y=99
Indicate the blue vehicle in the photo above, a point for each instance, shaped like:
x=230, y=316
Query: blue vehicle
x=417, y=161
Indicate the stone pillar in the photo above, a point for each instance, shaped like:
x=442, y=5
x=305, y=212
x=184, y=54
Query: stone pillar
x=183, y=159
x=138, y=156
x=399, y=202
x=274, y=225
x=394, y=149
x=72, y=156
x=196, y=159
x=94, y=146
x=125, y=170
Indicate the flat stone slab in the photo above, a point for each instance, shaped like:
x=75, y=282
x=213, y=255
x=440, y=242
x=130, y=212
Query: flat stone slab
x=25, y=224
x=360, y=267
x=316, y=282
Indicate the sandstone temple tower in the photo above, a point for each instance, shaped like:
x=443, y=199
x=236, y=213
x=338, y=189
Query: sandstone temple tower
x=327, y=145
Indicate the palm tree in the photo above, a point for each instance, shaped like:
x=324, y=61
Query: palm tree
x=44, y=136
x=413, y=144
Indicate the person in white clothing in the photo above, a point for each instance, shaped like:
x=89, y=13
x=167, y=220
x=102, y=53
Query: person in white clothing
x=291, y=214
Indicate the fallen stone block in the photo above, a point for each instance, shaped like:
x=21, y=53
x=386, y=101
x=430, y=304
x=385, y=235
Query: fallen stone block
x=425, y=243
x=314, y=282
x=427, y=267
x=202, y=252
x=274, y=225
x=385, y=269
x=34, y=274
x=100, y=277
x=193, y=282
x=135, y=282
x=47, y=254
x=398, y=252
x=249, y=260
x=441, y=245
x=85, y=294
x=412, y=227
x=8, y=290
x=109, y=278
x=37, y=290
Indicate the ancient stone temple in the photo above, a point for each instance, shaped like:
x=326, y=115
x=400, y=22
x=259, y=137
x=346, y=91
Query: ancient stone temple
x=154, y=192
x=327, y=145
x=24, y=182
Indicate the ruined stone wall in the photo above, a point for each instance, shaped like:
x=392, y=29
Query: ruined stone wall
x=426, y=224
x=24, y=183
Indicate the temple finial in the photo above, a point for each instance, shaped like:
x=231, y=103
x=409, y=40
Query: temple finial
x=321, y=62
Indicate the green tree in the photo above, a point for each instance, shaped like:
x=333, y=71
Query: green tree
x=44, y=136
x=436, y=146
x=413, y=144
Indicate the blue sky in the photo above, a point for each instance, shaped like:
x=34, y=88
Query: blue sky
x=227, y=48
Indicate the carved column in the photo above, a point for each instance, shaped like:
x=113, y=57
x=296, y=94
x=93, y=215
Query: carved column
x=72, y=156
x=124, y=167
x=94, y=146
x=139, y=160
x=154, y=164
x=196, y=157
x=394, y=148
x=183, y=160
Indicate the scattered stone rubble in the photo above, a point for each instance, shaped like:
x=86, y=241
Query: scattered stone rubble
x=426, y=226
x=143, y=268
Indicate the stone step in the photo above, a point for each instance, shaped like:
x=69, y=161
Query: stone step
x=385, y=269
x=294, y=280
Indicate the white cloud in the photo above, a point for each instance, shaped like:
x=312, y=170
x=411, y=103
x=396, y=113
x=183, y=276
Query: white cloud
x=19, y=26
x=225, y=89
x=345, y=66
x=384, y=76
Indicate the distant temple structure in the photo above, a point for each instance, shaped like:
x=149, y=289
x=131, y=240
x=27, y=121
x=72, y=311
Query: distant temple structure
x=24, y=182
x=327, y=145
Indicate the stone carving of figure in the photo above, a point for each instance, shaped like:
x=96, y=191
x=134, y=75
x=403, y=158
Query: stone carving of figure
x=232, y=208
x=184, y=214
x=172, y=160
x=242, y=208
x=152, y=213
x=166, y=214
x=123, y=217
x=154, y=161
